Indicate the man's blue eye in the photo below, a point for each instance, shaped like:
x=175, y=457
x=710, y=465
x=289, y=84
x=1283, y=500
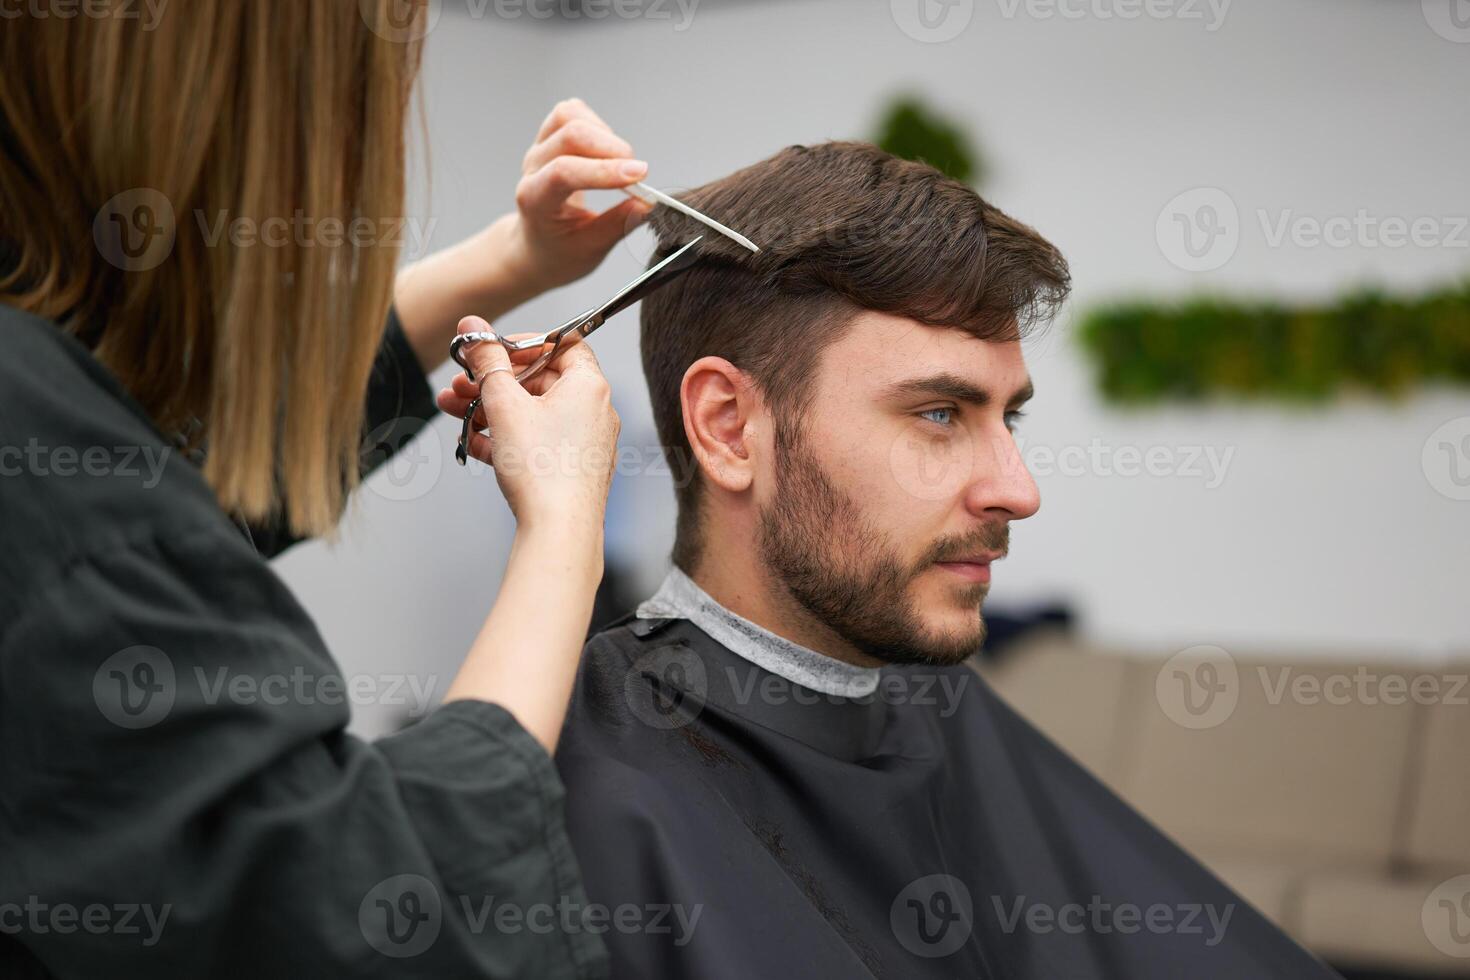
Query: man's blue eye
x=943, y=415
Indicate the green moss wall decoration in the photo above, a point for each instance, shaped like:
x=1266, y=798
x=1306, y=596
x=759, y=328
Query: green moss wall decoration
x=1146, y=352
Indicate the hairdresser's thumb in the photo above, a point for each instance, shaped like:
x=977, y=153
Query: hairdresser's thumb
x=490, y=364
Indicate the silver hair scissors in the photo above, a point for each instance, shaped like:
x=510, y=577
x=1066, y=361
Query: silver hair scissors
x=554, y=341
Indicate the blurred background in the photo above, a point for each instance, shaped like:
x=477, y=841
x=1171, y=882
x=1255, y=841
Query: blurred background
x=1252, y=422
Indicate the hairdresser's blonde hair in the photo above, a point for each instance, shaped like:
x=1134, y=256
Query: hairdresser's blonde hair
x=289, y=110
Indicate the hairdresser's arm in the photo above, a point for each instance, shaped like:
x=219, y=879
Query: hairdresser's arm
x=525, y=658
x=206, y=780
x=550, y=239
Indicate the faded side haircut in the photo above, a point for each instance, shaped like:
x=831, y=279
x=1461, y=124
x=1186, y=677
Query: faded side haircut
x=843, y=227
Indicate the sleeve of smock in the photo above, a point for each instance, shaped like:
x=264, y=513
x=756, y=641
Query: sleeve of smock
x=179, y=797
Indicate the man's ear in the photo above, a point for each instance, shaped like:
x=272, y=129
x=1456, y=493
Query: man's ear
x=718, y=400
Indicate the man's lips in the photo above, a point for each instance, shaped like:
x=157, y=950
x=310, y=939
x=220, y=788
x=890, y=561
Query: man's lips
x=975, y=568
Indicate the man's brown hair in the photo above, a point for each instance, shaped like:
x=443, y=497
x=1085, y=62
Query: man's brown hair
x=843, y=227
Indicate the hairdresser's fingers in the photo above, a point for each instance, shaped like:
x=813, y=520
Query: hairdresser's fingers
x=451, y=402
x=579, y=368
x=618, y=220
x=566, y=111
x=480, y=448
x=524, y=358
x=549, y=190
x=542, y=381
x=454, y=403
x=463, y=387
x=520, y=358
x=493, y=370
x=462, y=390
x=455, y=406
x=578, y=138
x=499, y=389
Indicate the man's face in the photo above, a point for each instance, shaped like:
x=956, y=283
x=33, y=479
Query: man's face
x=896, y=487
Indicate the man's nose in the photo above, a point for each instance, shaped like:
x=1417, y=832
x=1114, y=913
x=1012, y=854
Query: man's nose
x=1002, y=485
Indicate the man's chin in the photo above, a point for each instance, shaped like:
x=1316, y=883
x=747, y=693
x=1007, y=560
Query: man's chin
x=942, y=642
x=942, y=625
x=942, y=656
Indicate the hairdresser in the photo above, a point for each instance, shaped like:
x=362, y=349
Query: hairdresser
x=176, y=407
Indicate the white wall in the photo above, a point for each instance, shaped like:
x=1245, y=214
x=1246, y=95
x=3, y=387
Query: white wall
x=1325, y=533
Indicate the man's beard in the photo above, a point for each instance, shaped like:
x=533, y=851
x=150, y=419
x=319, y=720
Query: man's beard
x=845, y=571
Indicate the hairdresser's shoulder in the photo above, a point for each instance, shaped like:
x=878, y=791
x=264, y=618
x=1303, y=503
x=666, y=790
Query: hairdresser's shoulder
x=82, y=468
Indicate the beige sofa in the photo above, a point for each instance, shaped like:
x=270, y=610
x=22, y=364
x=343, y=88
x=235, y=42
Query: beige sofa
x=1333, y=794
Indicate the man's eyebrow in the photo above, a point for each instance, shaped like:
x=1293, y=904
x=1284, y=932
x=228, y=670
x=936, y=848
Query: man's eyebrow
x=946, y=385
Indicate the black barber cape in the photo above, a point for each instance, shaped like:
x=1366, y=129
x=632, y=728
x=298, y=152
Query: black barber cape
x=733, y=826
x=164, y=810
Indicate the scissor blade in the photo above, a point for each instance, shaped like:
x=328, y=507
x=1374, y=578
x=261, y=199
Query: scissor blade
x=670, y=267
x=683, y=208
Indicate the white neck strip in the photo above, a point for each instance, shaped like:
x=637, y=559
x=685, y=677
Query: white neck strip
x=680, y=598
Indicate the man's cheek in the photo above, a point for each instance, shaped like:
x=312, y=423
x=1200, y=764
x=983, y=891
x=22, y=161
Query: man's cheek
x=925, y=469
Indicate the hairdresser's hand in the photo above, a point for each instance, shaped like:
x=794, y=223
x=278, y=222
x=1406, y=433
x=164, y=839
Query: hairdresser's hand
x=549, y=240
x=553, y=236
x=552, y=441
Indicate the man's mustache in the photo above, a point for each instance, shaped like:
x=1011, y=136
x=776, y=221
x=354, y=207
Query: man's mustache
x=989, y=538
